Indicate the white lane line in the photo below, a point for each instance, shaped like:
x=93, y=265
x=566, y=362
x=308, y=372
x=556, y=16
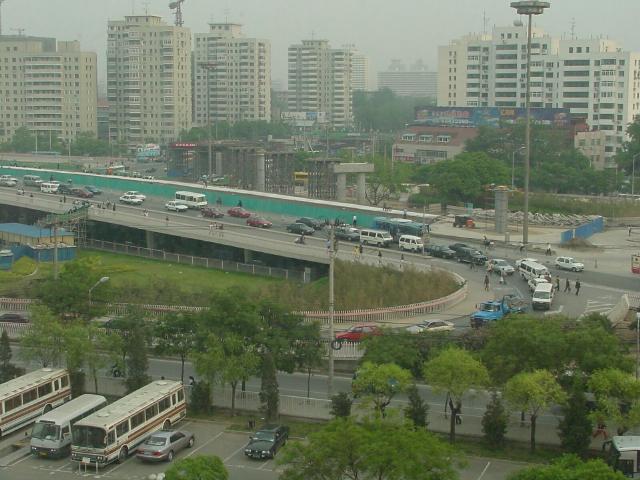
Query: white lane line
x=484, y=471
x=63, y=466
x=204, y=444
x=233, y=454
x=555, y=312
x=21, y=460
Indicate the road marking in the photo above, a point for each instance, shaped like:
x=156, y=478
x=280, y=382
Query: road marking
x=205, y=443
x=555, y=312
x=484, y=471
x=233, y=454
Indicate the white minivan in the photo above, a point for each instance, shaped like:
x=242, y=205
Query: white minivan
x=379, y=238
x=542, y=296
x=529, y=269
x=49, y=187
x=411, y=243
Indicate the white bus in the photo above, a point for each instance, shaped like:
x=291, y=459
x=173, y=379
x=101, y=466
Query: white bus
x=29, y=396
x=51, y=434
x=112, y=433
x=191, y=199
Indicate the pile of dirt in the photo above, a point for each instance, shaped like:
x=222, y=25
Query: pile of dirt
x=581, y=244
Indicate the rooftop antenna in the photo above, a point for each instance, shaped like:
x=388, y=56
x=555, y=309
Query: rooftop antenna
x=133, y=7
x=20, y=31
x=1, y=2
x=573, y=28
x=485, y=22
x=226, y=15
x=146, y=7
x=177, y=6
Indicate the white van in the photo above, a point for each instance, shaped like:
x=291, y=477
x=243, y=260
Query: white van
x=411, y=243
x=49, y=187
x=542, y=296
x=529, y=270
x=379, y=238
x=31, y=180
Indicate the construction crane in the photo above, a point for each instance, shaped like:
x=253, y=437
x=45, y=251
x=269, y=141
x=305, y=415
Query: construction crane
x=177, y=6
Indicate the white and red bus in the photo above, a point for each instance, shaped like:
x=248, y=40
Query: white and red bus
x=635, y=263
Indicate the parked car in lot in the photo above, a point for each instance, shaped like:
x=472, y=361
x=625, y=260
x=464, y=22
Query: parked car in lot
x=136, y=193
x=164, y=444
x=358, y=332
x=311, y=222
x=211, y=212
x=92, y=189
x=300, y=229
x=266, y=442
x=499, y=266
x=259, y=222
x=131, y=200
x=428, y=326
x=345, y=232
x=174, y=206
x=13, y=318
x=440, y=251
x=81, y=192
x=569, y=263
x=238, y=212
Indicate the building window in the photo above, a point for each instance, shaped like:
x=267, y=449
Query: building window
x=408, y=137
x=444, y=138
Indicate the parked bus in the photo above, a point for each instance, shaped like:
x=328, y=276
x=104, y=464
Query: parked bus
x=191, y=199
x=27, y=397
x=51, y=434
x=623, y=454
x=399, y=226
x=635, y=263
x=110, y=434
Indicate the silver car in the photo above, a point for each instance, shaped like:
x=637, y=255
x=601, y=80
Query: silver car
x=164, y=444
x=431, y=326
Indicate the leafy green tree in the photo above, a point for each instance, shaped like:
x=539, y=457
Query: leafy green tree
x=494, y=422
x=375, y=448
x=310, y=356
x=575, y=427
x=7, y=369
x=23, y=141
x=533, y=392
x=44, y=341
x=175, y=334
x=417, y=409
x=197, y=467
x=378, y=384
x=384, y=110
x=269, y=393
x=569, y=467
x=404, y=349
x=137, y=361
x=201, y=397
x=341, y=405
x=617, y=396
x=455, y=371
x=86, y=143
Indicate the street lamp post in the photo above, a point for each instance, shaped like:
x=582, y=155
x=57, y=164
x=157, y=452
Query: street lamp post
x=637, y=342
x=513, y=167
x=332, y=255
x=99, y=282
x=633, y=174
x=529, y=8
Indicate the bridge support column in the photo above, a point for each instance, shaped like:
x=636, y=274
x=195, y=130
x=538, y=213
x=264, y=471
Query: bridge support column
x=218, y=156
x=341, y=187
x=260, y=173
x=361, y=184
x=248, y=255
x=150, y=239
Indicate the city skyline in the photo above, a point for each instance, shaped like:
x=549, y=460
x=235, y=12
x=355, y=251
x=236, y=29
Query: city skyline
x=285, y=22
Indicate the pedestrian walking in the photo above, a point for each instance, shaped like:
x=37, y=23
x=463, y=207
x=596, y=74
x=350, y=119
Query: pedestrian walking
x=502, y=278
x=629, y=231
x=567, y=286
x=577, y=286
x=360, y=248
x=486, y=282
x=114, y=206
x=356, y=252
x=221, y=230
x=404, y=213
x=211, y=228
x=521, y=247
x=328, y=243
x=458, y=412
x=240, y=203
x=64, y=199
x=402, y=261
x=166, y=219
x=379, y=257
x=354, y=222
x=548, y=253
x=557, y=283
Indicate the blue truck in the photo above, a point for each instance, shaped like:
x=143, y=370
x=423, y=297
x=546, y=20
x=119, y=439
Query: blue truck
x=494, y=310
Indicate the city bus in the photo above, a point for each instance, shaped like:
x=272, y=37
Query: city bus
x=111, y=434
x=635, y=263
x=51, y=434
x=191, y=199
x=25, y=398
x=399, y=226
x=623, y=454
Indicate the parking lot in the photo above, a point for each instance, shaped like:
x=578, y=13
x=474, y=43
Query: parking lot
x=211, y=439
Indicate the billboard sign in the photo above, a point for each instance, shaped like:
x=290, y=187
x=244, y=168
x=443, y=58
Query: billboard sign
x=474, y=117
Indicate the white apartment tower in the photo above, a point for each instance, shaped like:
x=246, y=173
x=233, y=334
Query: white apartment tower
x=360, y=70
x=320, y=81
x=417, y=81
x=46, y=87
x=148, y=79
x=232, y=76
x=594, y=78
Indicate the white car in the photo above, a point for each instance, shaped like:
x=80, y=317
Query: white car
x=569, y=263
x=535, y=281
x=175, y=206
x=498, y=265
x=519, y=262
x=131, y=200
x=135, y=193
x=431, y=326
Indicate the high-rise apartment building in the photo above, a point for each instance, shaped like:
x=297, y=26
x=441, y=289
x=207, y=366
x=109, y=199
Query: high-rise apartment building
x=360, y=70
x=47, y=87
x=595, y=78
x=148, y=79
x=232, y=76
x=320, y=81
x=416, y=81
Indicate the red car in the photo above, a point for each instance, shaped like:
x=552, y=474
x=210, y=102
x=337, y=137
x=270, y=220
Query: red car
x=211, y=212
x=259, y=222
x=238, y=212
x=81, y=192
x=358, y=332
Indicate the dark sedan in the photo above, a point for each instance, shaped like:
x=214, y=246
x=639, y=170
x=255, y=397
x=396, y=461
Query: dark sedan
x=311, y=222
x=300, y=229
x=458, y=246
x=267, y=441
x=347, y=233
x=93, y=189
x=211, y=212
x=441, y=251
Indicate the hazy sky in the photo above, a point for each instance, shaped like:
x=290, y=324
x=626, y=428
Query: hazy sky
x=382, y=29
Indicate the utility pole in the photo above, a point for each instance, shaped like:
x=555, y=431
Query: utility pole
x=332, y=254
x=55, y=251
x=1, y=2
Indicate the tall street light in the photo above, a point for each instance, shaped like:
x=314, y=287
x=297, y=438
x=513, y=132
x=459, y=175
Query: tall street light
x=99, y=282
x=633, y=174
x=529, y=8
x=513, y=166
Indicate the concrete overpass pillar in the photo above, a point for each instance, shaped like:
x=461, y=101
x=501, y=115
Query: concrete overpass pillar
x=362, y=185
x=502, y=209
x=248, y=255
x=218, y=156
x=260, y=173
x=341, y=187
x=150, y=239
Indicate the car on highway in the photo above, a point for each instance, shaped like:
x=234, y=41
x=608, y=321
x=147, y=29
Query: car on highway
x=348, y=233
x=174, y=206
x=429, y=326
x=81, y=192
x=13, y=318
x=211, y=212
x=459, y=246
x=520, y=261
x=499, y=266
x=131, y=200
x=359, y=332
x=569, y=263
x=259, y=222
x=8, y=181
x=470, y=255
x=238, y=212
x=441, y=251
x=266, y=442
x=64, y=189
x=163, y=445
x=136, y=193
x=311, y=222
x=300, y=229
x=93, y=189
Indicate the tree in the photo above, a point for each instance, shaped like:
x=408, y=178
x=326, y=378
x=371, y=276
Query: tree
x=575, y=427
x=137, y=361
x=310, y=355
x=378, y=384
x=617, y=396
x=7, y=369
x=455, y=371
x=269, y=394
x=533, y=392
x=384, y=110
x=198, y=467
x=44, y=341
x=201, y=397
x=406, y=350
x=494, y=422
x=175, y=334
x=417, y=409
x=21, y=142
x=373, y=449
x=569, y=467
x=341, y=405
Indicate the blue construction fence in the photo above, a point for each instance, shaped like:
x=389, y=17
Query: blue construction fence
x=46, y=254
x=583, y=231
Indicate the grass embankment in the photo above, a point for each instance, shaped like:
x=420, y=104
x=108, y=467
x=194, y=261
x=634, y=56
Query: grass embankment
x=605, y=206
